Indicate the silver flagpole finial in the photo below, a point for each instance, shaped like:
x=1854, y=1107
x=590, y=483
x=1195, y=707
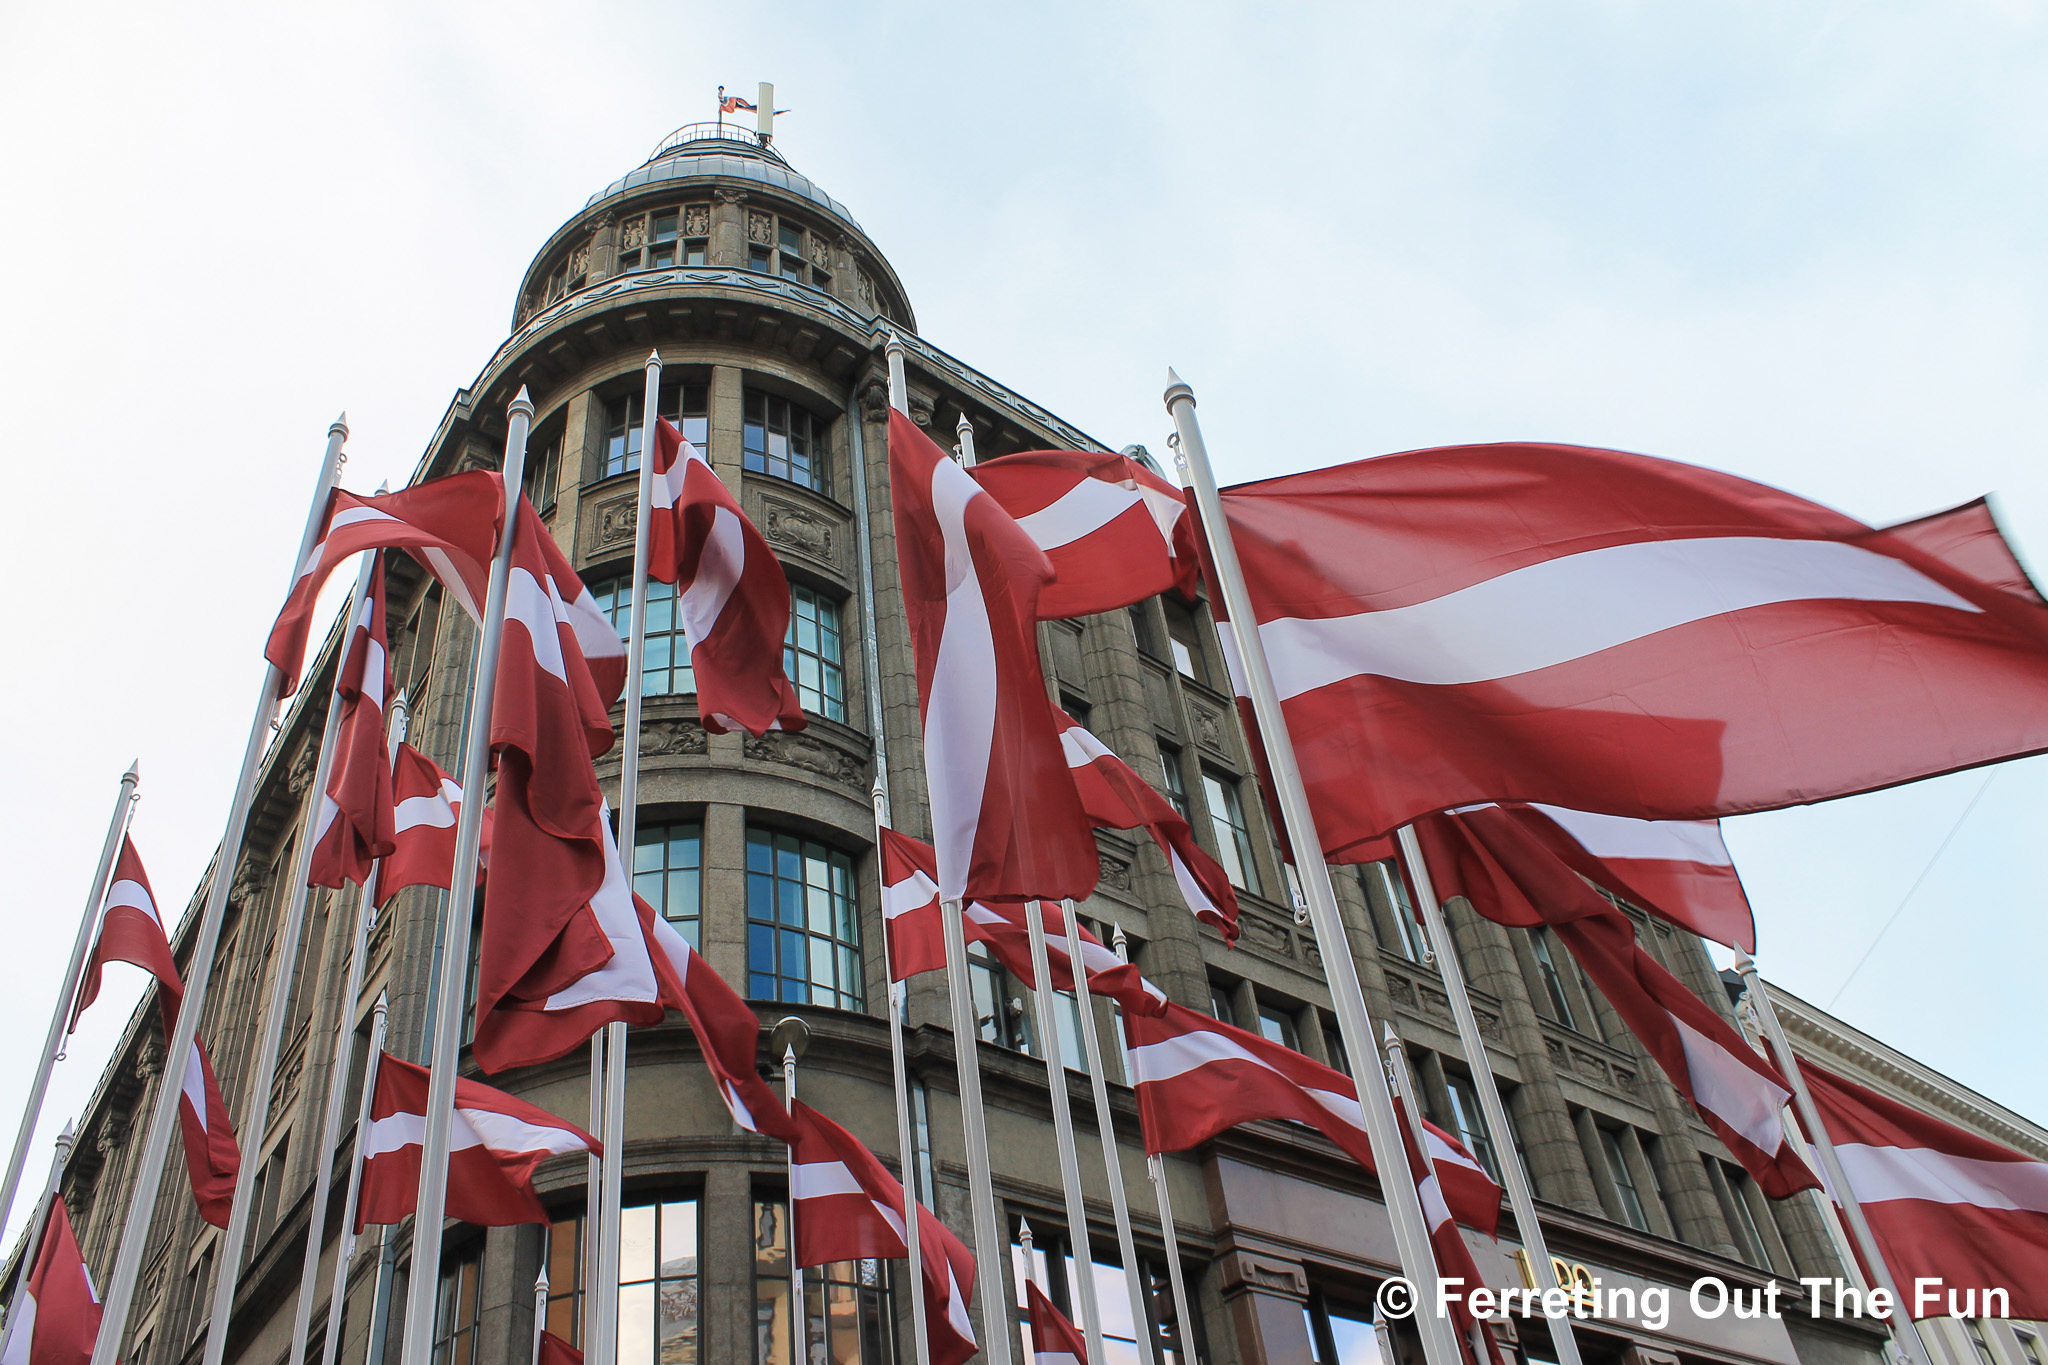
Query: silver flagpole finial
x=1176, y=388
x=134, y=773
x=1391, y=1039
x=1744, y=963
x=654, y=358
x=521, y=404
x=339, y=426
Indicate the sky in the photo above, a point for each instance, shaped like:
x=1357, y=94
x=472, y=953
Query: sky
x=1801, y=243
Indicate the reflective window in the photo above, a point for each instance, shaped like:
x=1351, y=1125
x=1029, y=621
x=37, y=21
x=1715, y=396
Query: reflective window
x=687, y=405
x=658, y=1282
x=1624, y=1183
x=782, y=439
x=665, y=653
x=1468, y=1120
x=458, y=1310
x=848, y=1318
x=811, y=653
x=1411, y=939
x=1277, y=1025
x=1176, y=780
x=1051, y=1265
x=803, y=930
x=668, y=873
x=1341, y=1333
x=1233, y=834
x=543, y=475
x=1553, y=981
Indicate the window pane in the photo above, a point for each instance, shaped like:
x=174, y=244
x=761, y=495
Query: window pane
x=1233, y=835
x=636, y=1245
x=805, y=921
x=636, y=1324
x=665, y=657
x=811, y=653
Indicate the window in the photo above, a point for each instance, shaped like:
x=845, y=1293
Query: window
x=1184, y=639
x=1080, y=710
x=1729, y=1183
x=687, y=405
x=1176, y=782
x=1653, y=1162
x=1592, y=1004
x=564, y=1258
x=665, y=652
x=1341, y=1333
x=1145, y=633
x=458, y=1311
x=1553, y=983
x=1233, y=835
x=1277, y=1025
x=803, y=930
x=1220, y=1003
x=1409, y=936
x=1468, y=1120
x=1051, y=1265
x=757, y=258
x=197, y=1286
x=658, y=1284
x=690, y=409
x=995, y=1020
x=1333, y=1043
x=811, y=653
x=543, y=475
x=790, y=241
x=668, y=237
x=668, y=873
x=1624, y=1183
x=1978, y=1341
x=848, y=1318
x=781, y=438
x=2030, y=1346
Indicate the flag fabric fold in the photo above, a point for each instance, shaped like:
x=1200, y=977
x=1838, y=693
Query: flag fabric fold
x=496, y=1143
x=1007, y=822
x=426, y=803
x=1447, y=1245
x=57, y=1319
x=1116, y=533
x=555, y=1351
x=1054, y=1340
x=1679, y=870
x=1486, y=856
x=732, y=598
x=848, y=1207
x=1609, y=632
x=355, y=824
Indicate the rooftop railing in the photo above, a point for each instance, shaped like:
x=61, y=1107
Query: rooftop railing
x=714, y=132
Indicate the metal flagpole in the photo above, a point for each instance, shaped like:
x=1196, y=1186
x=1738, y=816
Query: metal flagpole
x=540, y=1310
x=421, y=1288
x=1078, y=1240
x=792, y=1037
x=593, y=1186
x=205, y=942
x=1403, y=1083
x=60, y=1015
x=345, y=1248
x=1562, y=1334
x=337, y=1096
x=285, y=955
x=1411, y=1236
x=991, y=1284
x=1155, y=1168
x=32, y=1244
x=602, y=1347
x=898, y=992
x=1905, y=1332
x=1112, y=1164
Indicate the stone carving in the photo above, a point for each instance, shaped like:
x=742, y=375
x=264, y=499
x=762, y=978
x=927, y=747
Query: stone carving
x=1556, y=1051
x=1272, y=937
x=821, y=251
x=662, y=737
x=1586, y=1064
x=811, y=755
x=287, y=1088
x=633, y=232
x=761, y=227
x=874, y=402
x=799, y=529
x=1208, y=729
x=300, y=775
x=728, y=196
x=579, y=261
x=864, y=290
x=1435, y=1001
x=1624, y=1081
x=1489, y=1024
x=1401, y=989
x=249, y=882
x=598, y=222
x=1243, y=1272
x=616, y=520
x=696, y=220
x=921, y=410
x=1115, y=873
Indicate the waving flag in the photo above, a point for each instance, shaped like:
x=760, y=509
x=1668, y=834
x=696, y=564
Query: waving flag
x=496, y=1144
x=848, y=1207
x=1610, y=632
x=730, y=592
x=1114, y=797
x=1447, y=1245
x=1116, y=533
x=449, y=525
x=56, y=1320
x=1944, y=1204
x=1489, y=858
x=1054, y=1340
x=728, y=1033
x=354, y=827
x=426, y=804
x=1007, y=822
x=131, y=931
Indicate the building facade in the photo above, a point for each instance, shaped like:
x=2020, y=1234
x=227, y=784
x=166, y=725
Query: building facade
x=771, y=310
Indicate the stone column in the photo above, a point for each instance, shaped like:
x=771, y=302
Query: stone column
x=725, y=1264
x=1263, y=1299
x=505, y=1329
x=723, y=927
x=729, y=229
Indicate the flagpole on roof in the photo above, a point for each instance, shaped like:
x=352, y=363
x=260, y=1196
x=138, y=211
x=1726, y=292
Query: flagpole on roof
x=989, y=1284
x=1078, y=1239
x=1410, y=1107
x=1563, y=1335
x=423, y=1286
x=205, y=943
x=345, y=1248
x=1905, y=1332
x=1411, y=1234
x=284, y=954
x=32, y=1245
x=1155, y=1169
x=337, y=1092
x=60, y=1013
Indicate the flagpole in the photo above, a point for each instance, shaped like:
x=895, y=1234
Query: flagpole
x=1155, y=1169
x=205, y=942
x=540, y=1309
x=423, y=1285
x=981, y=1191
x=285, y=955
x=1112, y=1164
x=593, y=1187
x=1403, y=1083
x=1563, y=1335
x=337, y=1096
x=60, y=1015
x=795, y=1036
x=1411, y=1236
x=1905, y=1332
x=345, y=1247
x=32, y=1245
x=1078, y=1240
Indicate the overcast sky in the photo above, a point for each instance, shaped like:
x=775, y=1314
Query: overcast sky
x=1798, y=242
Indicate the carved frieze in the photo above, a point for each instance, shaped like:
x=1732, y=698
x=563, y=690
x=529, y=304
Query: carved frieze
x=1265, y=934
x=729, y=196
x=616, y=520
x=1115, y=873
x=799, y=529
x=811, y=754
x=761, y=227
x=300, y=775
x=1489, y=1024
x=1244, y=1273
x=633, y=233
x=696, y=220
x=821, y=251
x=676, y=736
x=874, y=402
x=1208, y=728
x=579, y=261
x=1401, y=989
x=1590, y=1066
x=250, y=879
x=1625, y=1080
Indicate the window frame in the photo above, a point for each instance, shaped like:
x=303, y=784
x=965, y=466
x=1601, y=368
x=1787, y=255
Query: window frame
x=653, y=883
x=827, y=618
x=1232, y=820
x=779, y=934
x=815, y=472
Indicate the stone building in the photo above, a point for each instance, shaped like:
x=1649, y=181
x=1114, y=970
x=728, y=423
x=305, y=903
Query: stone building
x=771, y=309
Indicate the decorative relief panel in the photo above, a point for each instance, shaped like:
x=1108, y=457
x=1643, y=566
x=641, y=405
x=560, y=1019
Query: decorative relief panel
x=615, y=520
x=799, y=529
x=1591, y=1067
x=729, y=196
x=1625, y=1081
x=810, y=754
x=1556, y=1050
x=821, y=251
x=579, y=261
x=696, y=220
x=1489, y=1024
x=1401, y=989
x=1208, y=727
x=664, y=737
x=633, y=232
x=1263, y=933
x=761, y=227
x=1115, y=873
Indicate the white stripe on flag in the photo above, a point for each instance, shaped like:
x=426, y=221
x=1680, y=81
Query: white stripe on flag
x=533, y=607
x=1881, y=1173
x=194, y=1086
x=914, y=892
x=629, y=973
x=1087, y=507
x=1619, y=836
x=960, y=716
x=508, y=1135
x=718, y=572
x=133, y=895
x=437, y=810
x=1737, y=1095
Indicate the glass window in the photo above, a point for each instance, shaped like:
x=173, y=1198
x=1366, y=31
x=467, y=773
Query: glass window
x=544, y=475
x=458, y=1311
x=995, y=1021
x=1553, y=983
x=803, y=930
x=782, y=439
x=668, y=873
x=696, y=250
x=1277, y=1025
x=1333, y=1043
x=1144, y=633
x=1736, y=1207
x=1220, y=1003
x=689, y=407
x=1624, y=1183
x=621, y=436
x=665, y=654
x=1341, y=1333
x=848, y=1316
x=757, y=258
x=2030, y=1346
x=1176, y=780
x=564, y=1252
x=1233, y=835
x=661, y=249
x=658, y=1284
x=1469, y=1120
x=811, y=653
x=1051, y=1265
x=1184, y=639
x=1978, y=1341
x=1413, y=942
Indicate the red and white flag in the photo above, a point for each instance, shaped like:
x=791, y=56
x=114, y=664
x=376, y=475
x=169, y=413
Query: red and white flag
x=132, y=931
x=1610, y=632
x=555, y=1351
x=449, y=525
x=733, y=104
x=1488, y=857
x=1115, y=797
x=1945, y=1205
x=354, y=827
x=731, y=595
x=1054, y=1340
x=57, y=1320
x=1007, y=822
x=1453, y=1258
x=728, y=1032
x=495, y=1144
x=426, y=804
x=848, y=1207
x=1196, y=1076
x=1116, y=533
